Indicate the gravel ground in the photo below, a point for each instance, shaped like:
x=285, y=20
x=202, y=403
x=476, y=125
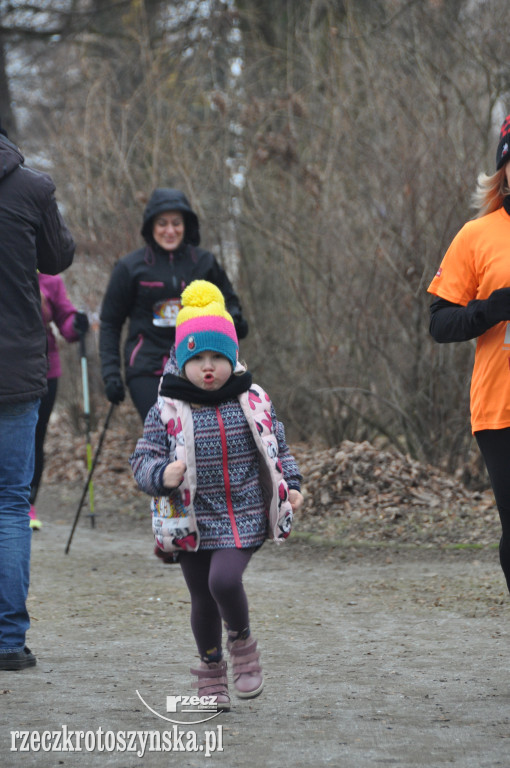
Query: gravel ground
x=373, y=655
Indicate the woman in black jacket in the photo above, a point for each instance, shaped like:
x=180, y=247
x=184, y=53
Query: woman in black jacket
x=145, y=286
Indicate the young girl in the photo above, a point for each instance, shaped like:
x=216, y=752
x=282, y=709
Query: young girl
x=214, y=456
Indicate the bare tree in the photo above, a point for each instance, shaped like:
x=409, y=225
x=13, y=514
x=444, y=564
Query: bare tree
x=356, y=184
x=330, y=149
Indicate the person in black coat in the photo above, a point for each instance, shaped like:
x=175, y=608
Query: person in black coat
x=145, y=287
x=33, y=236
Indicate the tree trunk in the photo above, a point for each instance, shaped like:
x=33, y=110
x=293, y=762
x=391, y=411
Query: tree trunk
x=7, y=118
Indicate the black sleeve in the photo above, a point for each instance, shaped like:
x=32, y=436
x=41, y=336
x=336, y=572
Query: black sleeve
x=115, y=309
x=453, y=322
x=54, y=242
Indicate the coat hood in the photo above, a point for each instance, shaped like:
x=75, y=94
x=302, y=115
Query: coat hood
x=10, y=156
x=166, y=199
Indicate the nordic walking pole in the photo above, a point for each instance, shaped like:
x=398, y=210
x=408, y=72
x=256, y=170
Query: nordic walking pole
x=94, y=462
x=86, y=413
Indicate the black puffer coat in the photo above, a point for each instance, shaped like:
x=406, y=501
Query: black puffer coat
x=145, y=286
x=33, y=236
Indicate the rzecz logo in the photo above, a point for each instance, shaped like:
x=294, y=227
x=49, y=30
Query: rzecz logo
x=189, y=705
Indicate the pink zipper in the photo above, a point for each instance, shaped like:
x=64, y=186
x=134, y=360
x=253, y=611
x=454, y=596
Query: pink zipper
x=226, y=478
x=147, y=284
x=136, y=349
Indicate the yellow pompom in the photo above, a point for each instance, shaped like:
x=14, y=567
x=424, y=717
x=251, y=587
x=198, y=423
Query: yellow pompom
x=200, y=293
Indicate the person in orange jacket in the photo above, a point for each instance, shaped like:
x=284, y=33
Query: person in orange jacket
x=472, y=290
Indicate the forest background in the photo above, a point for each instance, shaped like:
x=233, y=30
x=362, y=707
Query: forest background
x=330, y=148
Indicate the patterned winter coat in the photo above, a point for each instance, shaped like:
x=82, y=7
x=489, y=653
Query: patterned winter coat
x=238, y=471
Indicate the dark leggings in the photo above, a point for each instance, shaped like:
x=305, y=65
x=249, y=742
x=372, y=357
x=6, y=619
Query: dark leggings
x=45, y=409
x=144, y=393
x=494, y=445
x=215, y=582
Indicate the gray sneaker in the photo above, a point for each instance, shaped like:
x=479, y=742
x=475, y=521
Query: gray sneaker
x=17, y=660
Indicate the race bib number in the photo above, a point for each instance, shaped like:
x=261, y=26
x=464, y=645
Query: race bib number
x=164, y=313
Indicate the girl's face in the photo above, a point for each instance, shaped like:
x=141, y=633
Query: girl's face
x=168, y=230
x=208, y=370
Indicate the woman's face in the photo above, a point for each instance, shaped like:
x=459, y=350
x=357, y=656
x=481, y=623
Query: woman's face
x=168, y=230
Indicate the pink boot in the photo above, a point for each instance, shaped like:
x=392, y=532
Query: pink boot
x=212, y=681
x=35, y=523
x=248, y=677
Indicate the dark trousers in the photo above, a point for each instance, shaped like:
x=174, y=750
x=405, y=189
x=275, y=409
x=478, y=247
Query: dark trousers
x=144, y=393
x=494, y=445
x=45, y=409
x=215, y=582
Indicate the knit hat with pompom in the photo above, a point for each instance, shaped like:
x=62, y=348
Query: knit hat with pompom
x=204, y=325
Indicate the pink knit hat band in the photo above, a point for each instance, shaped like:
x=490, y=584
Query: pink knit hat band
x=202, y=323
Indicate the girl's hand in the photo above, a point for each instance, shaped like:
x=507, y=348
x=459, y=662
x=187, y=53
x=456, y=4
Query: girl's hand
x=173, y=474
x=296, y=499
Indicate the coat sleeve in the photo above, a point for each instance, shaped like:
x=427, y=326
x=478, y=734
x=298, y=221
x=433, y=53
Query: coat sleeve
x=115, y=309
x=151, y=456
x=54, y=243
x=453, y=322
x=63, y=312
x=289, y=465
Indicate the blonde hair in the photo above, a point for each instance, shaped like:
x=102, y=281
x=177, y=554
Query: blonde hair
x=490, y=192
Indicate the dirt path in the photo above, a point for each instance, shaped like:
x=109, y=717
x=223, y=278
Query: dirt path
x=371, y=657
